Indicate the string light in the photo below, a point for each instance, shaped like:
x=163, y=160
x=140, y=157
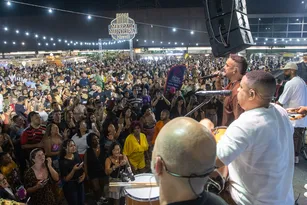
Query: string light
x=192, y=32
x=51, y=39
x=23, y=43
x=8, y=3
x=47, y=44
x=14, y=42
x=17, y=31
x=4, y=42
x=89, y=17
x=36, y=36
x=27, y=34
x=6, y=28
x=39, y=44
x=50, y=10
x=174, y=29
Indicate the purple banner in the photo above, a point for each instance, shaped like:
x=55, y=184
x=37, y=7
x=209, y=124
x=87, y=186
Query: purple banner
x=175, y=77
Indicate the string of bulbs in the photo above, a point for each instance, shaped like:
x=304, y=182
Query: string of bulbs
x=90, y=16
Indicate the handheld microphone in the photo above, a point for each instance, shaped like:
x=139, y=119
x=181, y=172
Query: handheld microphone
x=214, y=92
x=209, y=76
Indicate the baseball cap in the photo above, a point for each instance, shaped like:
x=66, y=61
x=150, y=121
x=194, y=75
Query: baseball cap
x=289, y=66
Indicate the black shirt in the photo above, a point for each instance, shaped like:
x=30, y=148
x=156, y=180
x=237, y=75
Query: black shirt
x=67, y=165
x=207, y=198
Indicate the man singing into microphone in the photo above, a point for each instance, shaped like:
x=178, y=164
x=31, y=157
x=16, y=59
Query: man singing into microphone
x=234, y=70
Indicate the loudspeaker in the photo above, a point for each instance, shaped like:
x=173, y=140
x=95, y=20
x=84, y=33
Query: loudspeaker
x=228, y=27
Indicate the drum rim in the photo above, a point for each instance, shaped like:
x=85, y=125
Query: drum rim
x=141, y=199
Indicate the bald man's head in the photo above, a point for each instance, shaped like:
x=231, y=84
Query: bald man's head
x=186, y=147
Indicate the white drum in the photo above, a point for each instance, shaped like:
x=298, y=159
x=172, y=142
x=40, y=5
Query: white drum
x=143, y=196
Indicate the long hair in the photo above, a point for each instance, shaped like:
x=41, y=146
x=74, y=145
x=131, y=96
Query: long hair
x=78, y=128
x=64, y=147
x=89, y=139
x=112, y=147
x=48, y=129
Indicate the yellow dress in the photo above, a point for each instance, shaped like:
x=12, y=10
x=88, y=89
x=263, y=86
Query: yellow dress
x=135, y=150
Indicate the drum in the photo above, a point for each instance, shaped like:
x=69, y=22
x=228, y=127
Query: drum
x=218, y=132
x=143, y=196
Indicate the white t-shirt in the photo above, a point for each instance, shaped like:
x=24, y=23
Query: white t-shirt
x=1, y=103
x=294, y=96
x=258, y=149
x=80, y=143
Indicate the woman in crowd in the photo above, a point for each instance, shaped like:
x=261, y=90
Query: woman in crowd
x=94, y=159
x=52, y=142
x=72, y=172
x=79, y=110
x=6, y=144
x=112, y=135
x=80, y=138
x=114, y=164
x=179, y=109
x=136, y=147
x=148, y=121
x=69, y=123
x=93, y=124
x=125, y=119
x=39, y=179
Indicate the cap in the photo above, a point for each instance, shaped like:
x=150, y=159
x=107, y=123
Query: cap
x=289, y=66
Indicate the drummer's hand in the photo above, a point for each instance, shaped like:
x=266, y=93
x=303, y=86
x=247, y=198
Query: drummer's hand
x=302, y=110
x=207, y=123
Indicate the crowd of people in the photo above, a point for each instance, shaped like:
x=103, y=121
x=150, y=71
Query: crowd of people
x=67, y=131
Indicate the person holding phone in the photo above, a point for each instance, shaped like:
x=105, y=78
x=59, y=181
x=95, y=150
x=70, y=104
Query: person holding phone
x=71, y=168
x=38, y=179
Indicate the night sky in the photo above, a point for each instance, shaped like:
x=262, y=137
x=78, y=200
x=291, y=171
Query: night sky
x=92, y=6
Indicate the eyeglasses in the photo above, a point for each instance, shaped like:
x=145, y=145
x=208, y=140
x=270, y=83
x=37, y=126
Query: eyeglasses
x=237, y=58
x=207, y=173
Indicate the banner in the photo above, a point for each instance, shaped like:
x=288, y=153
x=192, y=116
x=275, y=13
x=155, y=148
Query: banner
x=175, y=77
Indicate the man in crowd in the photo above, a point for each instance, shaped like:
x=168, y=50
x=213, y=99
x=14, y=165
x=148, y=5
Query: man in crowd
x=302, y=68
x=160, y=124
x=295, y=95
x=234, y=70
x=258, y=146
x=32, y=136
x=181, y=164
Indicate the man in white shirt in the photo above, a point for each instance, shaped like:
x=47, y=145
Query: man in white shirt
x=258, y=146
x=293, y=96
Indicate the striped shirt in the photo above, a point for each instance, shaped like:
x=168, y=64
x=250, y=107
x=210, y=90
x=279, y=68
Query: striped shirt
x=32, y=136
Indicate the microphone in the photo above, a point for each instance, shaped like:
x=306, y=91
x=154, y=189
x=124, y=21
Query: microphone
x=209, y=76
x=214, y=92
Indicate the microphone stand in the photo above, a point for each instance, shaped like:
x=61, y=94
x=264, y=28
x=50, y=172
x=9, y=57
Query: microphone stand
x=198, y=107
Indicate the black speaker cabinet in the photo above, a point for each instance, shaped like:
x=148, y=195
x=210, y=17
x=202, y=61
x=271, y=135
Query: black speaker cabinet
x=228, y=27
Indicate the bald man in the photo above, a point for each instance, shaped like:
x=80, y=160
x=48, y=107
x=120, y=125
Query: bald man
x=258, y=146
x=183, y=157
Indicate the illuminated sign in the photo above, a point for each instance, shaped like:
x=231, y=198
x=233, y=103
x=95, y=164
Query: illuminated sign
x=123, y=27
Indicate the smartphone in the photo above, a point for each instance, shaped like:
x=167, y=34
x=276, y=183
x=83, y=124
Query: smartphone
x=45, y=181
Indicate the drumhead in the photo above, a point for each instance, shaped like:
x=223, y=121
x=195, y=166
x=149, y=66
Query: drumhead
x=144, y=194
